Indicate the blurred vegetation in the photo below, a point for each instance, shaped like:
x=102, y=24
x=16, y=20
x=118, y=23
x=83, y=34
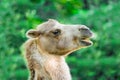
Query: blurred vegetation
x=99, y=62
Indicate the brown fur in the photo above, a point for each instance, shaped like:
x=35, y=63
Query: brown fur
x=47, y=46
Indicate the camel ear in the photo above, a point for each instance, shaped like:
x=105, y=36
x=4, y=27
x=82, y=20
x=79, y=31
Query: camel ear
x=32, y=33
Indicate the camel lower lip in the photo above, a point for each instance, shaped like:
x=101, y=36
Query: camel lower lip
x=86, y=42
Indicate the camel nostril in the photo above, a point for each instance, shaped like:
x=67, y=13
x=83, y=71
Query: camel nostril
x=83, y=29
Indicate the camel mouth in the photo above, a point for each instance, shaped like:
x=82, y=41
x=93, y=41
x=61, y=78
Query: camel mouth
x=86, y=41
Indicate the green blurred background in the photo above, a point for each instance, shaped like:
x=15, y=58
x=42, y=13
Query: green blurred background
x=98, y=62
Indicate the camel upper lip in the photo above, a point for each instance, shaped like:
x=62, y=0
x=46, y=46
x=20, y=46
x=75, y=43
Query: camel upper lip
x=86, y=37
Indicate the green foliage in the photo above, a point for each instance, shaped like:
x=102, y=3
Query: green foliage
x=99, y=62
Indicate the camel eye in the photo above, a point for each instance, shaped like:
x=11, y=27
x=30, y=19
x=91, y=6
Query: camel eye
x=57, y=32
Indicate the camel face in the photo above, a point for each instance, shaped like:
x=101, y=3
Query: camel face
x=56, y=38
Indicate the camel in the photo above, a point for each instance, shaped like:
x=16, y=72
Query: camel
x=49, y=44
